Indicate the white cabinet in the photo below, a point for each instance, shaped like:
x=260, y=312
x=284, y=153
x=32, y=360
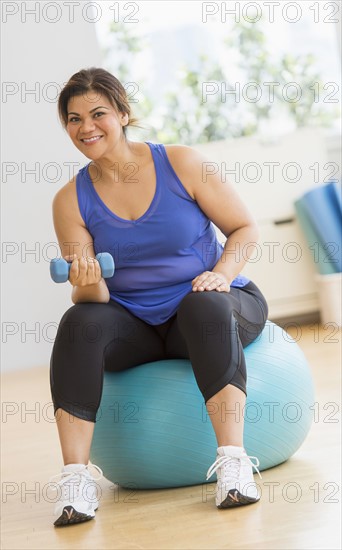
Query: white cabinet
x=269, y=177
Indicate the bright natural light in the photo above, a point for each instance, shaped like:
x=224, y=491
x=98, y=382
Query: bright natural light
x=157, y=46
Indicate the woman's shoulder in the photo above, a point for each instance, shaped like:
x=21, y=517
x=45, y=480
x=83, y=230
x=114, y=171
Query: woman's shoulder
x=187, y=163
x=66, y=200
x=180, y=151
x=186, y=157
x=67, y=191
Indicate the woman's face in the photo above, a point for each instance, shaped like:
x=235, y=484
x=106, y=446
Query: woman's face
x=94, y=126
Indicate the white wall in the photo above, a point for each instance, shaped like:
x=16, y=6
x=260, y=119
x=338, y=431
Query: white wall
x=36, y=52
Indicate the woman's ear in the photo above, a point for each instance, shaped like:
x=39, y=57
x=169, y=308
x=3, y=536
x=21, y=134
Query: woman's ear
x=124, y=119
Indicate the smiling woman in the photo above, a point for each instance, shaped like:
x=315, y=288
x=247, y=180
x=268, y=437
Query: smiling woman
x=88, y=127
x=172, y=281
x=91, y=84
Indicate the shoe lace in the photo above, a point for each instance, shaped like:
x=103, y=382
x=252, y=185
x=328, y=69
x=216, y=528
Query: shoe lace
x=74, y=479
x=232, y=465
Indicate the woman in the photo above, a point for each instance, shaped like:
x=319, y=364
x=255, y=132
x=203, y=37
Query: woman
x=176, y=291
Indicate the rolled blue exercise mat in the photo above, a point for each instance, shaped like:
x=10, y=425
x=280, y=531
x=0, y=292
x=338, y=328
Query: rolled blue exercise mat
x=335, y=188
x=321, y=205
x=315, y=246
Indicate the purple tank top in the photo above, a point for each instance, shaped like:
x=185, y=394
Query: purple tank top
x=156, y=256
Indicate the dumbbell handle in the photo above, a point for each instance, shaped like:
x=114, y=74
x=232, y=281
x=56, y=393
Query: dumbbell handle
x=60, y=268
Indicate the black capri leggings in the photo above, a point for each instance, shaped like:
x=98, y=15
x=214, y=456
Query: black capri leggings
x=210, y=328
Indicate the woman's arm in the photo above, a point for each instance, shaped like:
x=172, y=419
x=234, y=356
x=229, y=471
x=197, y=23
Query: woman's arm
x=74, y=238
x=222, y=204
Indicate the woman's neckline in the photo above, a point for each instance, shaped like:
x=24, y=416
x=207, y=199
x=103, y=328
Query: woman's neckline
x=108, y=210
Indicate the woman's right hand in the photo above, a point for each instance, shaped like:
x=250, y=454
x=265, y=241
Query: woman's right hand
x=83, y=271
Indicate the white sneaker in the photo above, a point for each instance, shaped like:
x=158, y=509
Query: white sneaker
x=77, y=494
x=235, y=482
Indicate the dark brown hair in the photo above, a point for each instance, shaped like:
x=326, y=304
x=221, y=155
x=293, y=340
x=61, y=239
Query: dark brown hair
x=95, y=80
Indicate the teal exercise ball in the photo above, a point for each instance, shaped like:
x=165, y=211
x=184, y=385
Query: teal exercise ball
x=153, y=430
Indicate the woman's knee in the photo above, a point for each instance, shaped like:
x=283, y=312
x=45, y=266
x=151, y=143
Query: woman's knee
x=206, y=317
x=80, y=313
x=205, y=305
x=81, y=321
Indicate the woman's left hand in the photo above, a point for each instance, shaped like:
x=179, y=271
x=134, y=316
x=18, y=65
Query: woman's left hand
x=210, y=280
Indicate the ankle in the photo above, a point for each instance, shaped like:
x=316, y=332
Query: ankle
x=75, y=460
x=232, y=447
x=67, y=462
x=73, y=466
x=230, y=443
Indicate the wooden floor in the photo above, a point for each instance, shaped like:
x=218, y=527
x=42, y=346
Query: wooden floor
x=175, y=518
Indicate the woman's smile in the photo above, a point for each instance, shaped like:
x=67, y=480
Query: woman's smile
x=91, y=140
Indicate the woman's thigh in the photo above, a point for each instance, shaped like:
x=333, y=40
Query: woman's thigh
x=91, y=338
x=250, y=309
x=105, y=335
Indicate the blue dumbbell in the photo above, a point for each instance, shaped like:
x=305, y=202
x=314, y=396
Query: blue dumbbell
x=60, y=268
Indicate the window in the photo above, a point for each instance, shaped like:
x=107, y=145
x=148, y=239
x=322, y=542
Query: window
x=202, y=71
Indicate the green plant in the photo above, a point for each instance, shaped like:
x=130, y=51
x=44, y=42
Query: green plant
x=185, y=115
x=303, y=108
x=192, y=116
x=120, y=53
x=295, y=78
